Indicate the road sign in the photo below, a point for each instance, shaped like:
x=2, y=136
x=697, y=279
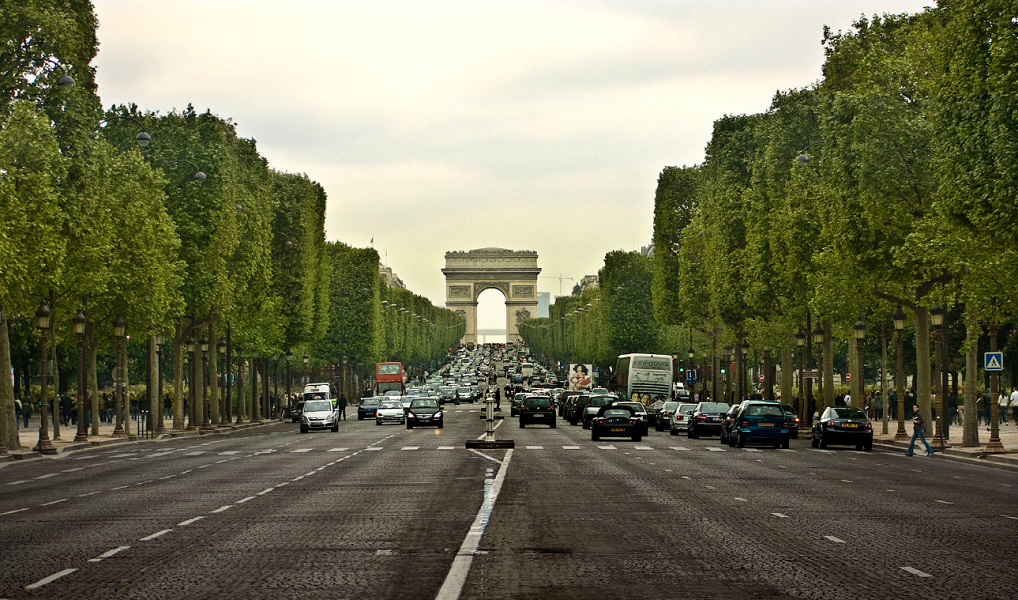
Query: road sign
x=691, y=376
x=848, y=376
x=811, y=374
x=761, y=378
x=993, y=361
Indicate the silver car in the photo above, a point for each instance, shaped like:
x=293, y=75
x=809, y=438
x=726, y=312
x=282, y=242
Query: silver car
x=390, y=411
x=319, y=414
x=679, y=421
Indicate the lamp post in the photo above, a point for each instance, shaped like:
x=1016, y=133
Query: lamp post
x=818, y=339
x=79, y=321
x=800, y=344
x=730, y=357
x=690, y=354
x=289, y=383
x=206, y=406
x=119, y=326
x=192, y=413
x=994, y=446
x=743, y=375
x=160, y=426
x=859, y=330
x=768, y=381
x=241, y=404
x=899, y=374
x=937, y=316
x=224, y=417
x=45, y=446
x=304, y=376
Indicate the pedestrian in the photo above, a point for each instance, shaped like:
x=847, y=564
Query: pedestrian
x=848, y=400
x=918, y=431
x=342, y=406
x=498, y=398
x=1014, y=404
x=1002, y=407
x=26, y=410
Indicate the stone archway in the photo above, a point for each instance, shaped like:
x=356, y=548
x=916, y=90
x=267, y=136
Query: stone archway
x=512, y=272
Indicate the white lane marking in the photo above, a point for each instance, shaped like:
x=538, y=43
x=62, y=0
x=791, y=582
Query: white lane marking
x=481, y=437
x=108, y=554
x=54, y=502
x=206, y=466
x=709, y=449
x=535, y=447
x=337, y=449
x=90, y=494
x=1006, y=484
x=642, y=448
x=222, y=509
x=834, y=539
x=944, y=502
x=265, y=491
x=679, y=448
x=846, y=480
x=50, y=579
x=123, y=487
x=410, y=448
x=916, y=572
x=785, y=450
x=742, y=500
x=301, y=450
x=452, y=587
x=189, y=521
x=752, y=450
x=710, y=487
x=570, y=447
x=284, y=484
x=608, y=447
x=72, y=470
x=687, y=477
x=17, y=482
x=822, y=451
x=149, y=538
x=144, y=482
x=220, y=461
x=1005, y=516
x=780, y=516
x=46, y=476
x=198, y=453
x=297, y=478
x=229, y=452
x=389, y=552
x=488, y=456
x=184, y=472
x=243, y=500
x=373, y=449
x=446, y=447
x=17, y=510
x=168, y=477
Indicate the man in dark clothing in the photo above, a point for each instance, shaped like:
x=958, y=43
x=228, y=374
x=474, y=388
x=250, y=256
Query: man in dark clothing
x=918, y=431
x=498, y=398
x=26, y=410
x=342, y=406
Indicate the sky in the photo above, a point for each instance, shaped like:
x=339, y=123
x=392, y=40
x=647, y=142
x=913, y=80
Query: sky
x=452, y=125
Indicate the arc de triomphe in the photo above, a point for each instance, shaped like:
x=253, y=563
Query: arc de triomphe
x=512, y=272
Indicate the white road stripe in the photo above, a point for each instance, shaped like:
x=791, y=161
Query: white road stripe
x=535, y=447
x=168, y=477
x=785, y=450
x=109, y=553
x=642, y=448
x=220, y=461
x=229, y=452
x=446, y=447
x=222, y=509
x=17, y=510
x=17, y=482
x=680, y=448
x=742, y=500
x=301, y=450
x=337, y=450
x=834, y=539
x=189, y=521
x=265, y=491
x=709, y=449
x=410, y=448
x=149, y=538
x=780, y=516
x=243, y=500
x=916, y=572
x=373, y=449
x=608, y=447
x=54, y=502
x=944, y=502
x=184, y=472
x=1005, y=516
x=752, y=450
x=50, y=579
x=46, y=476
x=687, y=477
x=120, y=488
x=570, y=447
x=72, y=470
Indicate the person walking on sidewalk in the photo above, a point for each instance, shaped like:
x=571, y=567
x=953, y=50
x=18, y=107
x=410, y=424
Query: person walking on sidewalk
x=342, y=406
x=1014, y=404
x=1002, y=408
x=918, y=431
x=26, y=410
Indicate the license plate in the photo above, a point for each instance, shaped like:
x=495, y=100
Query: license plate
x=618, y=428
x=849, y=424
x=766, y=424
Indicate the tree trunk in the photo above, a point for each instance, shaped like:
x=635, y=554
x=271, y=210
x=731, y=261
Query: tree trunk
x=970, y=413
x=93, y=380
x=8, y=420
x=787, y=375
x=828, y=354
x=178, y=377
x=55, y=396
x=154, y=401
x=213, y=373
x=923, y=371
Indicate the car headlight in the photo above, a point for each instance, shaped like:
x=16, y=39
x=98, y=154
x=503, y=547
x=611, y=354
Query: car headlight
x=411, y=415
x=437, y=415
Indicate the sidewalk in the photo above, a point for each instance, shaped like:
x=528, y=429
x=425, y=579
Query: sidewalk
x=30, y=436
x=1008, y=437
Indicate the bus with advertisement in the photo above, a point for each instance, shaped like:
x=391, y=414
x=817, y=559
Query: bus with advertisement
x=644, y=377
x=389, y=378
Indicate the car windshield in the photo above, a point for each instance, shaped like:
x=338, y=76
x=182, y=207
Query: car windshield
x=369, y=402
x=424, y=403
x=764, y=410
x=598, y=401
x=465, y=389
x=538, y=402
x=685, y=408
x=849, y=413
x=713, y=407
x=317, y=406
x=616, y=412
x=635, y=406
x=669, y=406
x=391, y=404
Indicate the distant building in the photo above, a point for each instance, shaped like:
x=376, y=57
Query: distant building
x=647, y=250
x=588, y=281
x=543, y=302
x=390, y=278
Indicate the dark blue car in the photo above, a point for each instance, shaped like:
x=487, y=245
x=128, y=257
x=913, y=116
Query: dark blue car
x=759, y=422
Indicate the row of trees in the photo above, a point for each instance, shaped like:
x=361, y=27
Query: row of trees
x=170, y=221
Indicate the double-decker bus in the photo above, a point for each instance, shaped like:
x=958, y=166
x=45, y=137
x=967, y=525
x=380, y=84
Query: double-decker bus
x=389, y=377
x=644, y=377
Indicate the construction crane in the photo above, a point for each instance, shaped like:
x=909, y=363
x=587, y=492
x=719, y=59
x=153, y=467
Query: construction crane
x=560, y=279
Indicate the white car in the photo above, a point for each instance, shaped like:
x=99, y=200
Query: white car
x=390, y=411
x=319, y=414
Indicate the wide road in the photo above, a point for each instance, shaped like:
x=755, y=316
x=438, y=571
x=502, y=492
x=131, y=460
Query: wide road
x=383, y=512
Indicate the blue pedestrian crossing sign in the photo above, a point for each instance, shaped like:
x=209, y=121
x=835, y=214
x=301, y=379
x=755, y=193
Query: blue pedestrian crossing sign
x=993, y=361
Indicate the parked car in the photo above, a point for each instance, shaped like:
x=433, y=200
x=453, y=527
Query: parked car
x=791, y=420
x=844, y=426
x=537, y=409
x=593, y=406
x=726, y=424
x=368, y=407
x=758, y=422
x=617, y=420
x=641, y=413
x=664, y=416
x=319, y=414
x=390, y=411
x=706, y=419
x=424, y=411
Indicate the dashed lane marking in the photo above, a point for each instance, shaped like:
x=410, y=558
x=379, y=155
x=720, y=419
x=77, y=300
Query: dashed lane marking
x=944, y=502
x=185, y=472
x=149, y=538
x=570, y=447
x=535, y=447
x=222, y=509
x=72, y=470
x=189, y=521
x=709, y=449
x=752, y=450
x=742, y=500
x=265, y=491
x=687, y=477
x=108, y=554
x=50, y=579
x=679, y=448
x=785, y=450
x=710, y=487
x=373, y=449
x=446, y=447
x=122, y=487
x=229, y=452
x=46, y=476
x=780, y=516
x=301, y=450
x=410, y=448
x=1005, y=516
x=834, y=539
x=608, y=447
x=17, y=510
x=17, y=482
x=846, y=481
x=338, y=449
x=916, y=572
x=243, y=500
x=642, y=448
x=90, y=494
x=54, y=502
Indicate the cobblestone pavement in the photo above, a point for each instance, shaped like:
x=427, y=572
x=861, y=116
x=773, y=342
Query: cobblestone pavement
x=383, y=512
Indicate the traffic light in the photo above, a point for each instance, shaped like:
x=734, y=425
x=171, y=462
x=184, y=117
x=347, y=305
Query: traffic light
x=723, y=370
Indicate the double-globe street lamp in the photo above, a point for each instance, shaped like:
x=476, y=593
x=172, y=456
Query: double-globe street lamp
x=206, y=406
x=119, y=329
x=160, y=405
x=45, y=446
x=79, y=321
x=192, y=414
x=937, y=313
x=224, y=408
x=899, y=374
x=818, y=338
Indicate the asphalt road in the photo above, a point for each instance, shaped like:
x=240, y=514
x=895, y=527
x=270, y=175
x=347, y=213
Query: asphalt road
x=383, y=512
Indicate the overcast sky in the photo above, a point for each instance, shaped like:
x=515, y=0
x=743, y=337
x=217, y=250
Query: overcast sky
x=452, y=125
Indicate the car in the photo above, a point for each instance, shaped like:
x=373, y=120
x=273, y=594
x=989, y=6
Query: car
x=758, y=422
x=464, y=394
x=319, y=414
x=424, y=411
x=298, y=405
x=368, y=407
x=514, y=406
x=617, y=420
x=537, y=409
x=679, y=420
x=563, y=401
x=390, y=411
x=575, y=412
x=593, y=406
x=664, y=415
x=641, y=413
x=726, y=423
x=706, y=419
x=843, y=425
x=791, y=420
x=448, y=393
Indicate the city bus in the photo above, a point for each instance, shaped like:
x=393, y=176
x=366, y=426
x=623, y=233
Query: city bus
x=644, y=377
x=389, y=377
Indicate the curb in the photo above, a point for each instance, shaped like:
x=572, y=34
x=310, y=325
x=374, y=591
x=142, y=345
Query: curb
x=982, y=459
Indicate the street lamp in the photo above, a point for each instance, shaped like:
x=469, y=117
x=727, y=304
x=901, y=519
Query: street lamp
x=79, y=321
x=899, y=374
x=224, y=416
x=937, y=316
x=192, y=418
x=818, y=338
x=241, y=404
x=800, y=344
x=206, y=406
x=45, y=446
x=289, y=383
x=859, y=330
x=743, y=375
x=768, y=383
x=119, y=327
x=160, y=342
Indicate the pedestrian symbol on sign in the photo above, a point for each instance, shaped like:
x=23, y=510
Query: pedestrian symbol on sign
x=993, y=361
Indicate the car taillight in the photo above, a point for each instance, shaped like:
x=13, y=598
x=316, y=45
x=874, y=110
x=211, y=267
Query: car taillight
x=701, y=418
x=678, y=418
x=745, y=423
x=830, y=423
x=869, y=426
x=633, y=421
x=797, y=419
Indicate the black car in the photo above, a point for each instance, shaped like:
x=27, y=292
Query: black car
x=537, y=409
x=664, y=416
x=563, y=401
x=368, y=408
x=298, y=406
x=616, y=421
x=593, y=406
x=514, y=406
x=791, y=420
x=576, y=409
x=726, y=424
x=843, y=425
x=424, y=411
x=706, y=419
